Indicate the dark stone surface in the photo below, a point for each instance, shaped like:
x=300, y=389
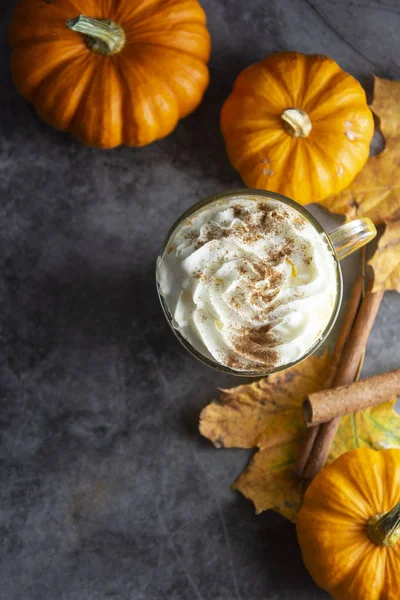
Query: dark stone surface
x=107, y=490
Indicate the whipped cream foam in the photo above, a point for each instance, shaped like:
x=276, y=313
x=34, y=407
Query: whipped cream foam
x=249, y=283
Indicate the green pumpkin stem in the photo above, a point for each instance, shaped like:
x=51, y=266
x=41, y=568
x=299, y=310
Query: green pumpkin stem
x=101, y=35
x=384, y=529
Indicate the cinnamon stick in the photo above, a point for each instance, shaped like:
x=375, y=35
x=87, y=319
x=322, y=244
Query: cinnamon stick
x=347, y=324
x=321, y=407
x=345, y=374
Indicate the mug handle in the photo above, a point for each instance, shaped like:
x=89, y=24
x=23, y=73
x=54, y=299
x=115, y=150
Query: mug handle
x=351, y=236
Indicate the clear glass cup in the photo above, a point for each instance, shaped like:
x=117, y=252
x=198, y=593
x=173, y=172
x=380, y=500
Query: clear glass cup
x=342, y=241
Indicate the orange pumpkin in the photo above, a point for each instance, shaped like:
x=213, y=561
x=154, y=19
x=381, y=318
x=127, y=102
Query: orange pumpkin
x=349, y=526
x=297, y=125
x=111, y=72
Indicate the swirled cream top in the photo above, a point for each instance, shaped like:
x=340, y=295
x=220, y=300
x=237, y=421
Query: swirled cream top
x=249, y=283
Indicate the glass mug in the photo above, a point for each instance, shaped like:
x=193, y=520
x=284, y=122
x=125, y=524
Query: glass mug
x=341, y=242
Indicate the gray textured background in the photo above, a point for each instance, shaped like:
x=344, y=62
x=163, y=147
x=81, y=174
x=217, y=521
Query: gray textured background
x=107, y=490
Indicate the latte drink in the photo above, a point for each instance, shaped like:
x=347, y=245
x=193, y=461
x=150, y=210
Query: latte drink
x=249, y=283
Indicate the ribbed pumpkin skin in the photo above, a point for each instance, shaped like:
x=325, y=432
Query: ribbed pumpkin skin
x=133, y=97
x=331, y=528
x=307, y=169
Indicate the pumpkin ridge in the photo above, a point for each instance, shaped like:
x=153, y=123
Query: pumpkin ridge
x=364, y=479
x=324, y=113
x=199, y=63
x=78, y=6
x=164, y=84
x=76, y=97
x=324, y=154
x=287, y=165
x=26, y=11
x=282, y=81
x=256, y=139
x=111, y=93
x=55, y=69
x=194, y=73
x=307, y=84
x=392, y=478
x=391, y=569
x=326, y=157
x=127, y=101
x=48, y=39
x=296, y=81
x=130, y=125
x=275, y=64
x=77, y=120
x=323, y=158
x=257, y=79
x=147, y=101
x=256, y=153
x=275, y=144
x=300, y=85
x=329, y=122
x=257, y=130
x=265, y=177
x=301, y=161
x=157, y=9
x=331, y=87
x=191, y=29
x=140, y=12
x=312, y=192
x=335, y=512
x=165, y=47
x=348, y=482
x=371, y=559
x=261, y=105
x=179, y=27
x=140, y=28
x=250, y=122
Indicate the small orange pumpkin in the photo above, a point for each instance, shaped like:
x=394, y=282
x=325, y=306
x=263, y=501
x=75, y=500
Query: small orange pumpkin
x=111, y=72
x=349, y=526
x=297, y=125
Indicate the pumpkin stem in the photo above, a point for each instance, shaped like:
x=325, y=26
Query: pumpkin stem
x=296, y=122
x=101, y=35
x=384, y=529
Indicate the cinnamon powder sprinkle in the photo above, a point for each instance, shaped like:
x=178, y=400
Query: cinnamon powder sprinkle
x=252, y=225
x=255, y=347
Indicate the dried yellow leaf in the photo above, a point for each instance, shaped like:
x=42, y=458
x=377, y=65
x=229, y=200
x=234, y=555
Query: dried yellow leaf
x=386, y=260
x=267, y=414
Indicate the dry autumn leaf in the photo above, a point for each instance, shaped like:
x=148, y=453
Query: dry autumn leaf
x=267, y=415
x=377, y=427
x=375, y=191
x=386, y=260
